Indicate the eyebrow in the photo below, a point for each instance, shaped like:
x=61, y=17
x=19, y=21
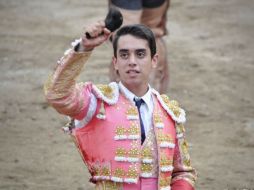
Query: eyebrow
x=123, y=50
x=140, y=50
x=136, y=50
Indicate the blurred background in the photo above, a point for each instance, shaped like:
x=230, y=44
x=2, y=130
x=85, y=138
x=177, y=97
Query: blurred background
x=210, y=50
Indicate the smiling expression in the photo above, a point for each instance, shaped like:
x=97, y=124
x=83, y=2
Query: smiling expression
x=134, y=62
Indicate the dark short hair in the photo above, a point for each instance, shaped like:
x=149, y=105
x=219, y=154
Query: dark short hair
x=139, y=31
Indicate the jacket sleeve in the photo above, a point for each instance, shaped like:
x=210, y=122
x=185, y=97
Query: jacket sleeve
x=184, y=175
x=61, y=90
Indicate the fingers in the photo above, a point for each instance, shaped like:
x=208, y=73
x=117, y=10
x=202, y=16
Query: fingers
x=98, y=34
x=95, y=29
x=90, y=43
x=106, y=31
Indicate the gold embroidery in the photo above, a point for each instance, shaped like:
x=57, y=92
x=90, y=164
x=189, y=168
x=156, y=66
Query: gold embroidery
x=168, y=138
x=95, y=170
x=48, y=84
x=175, y=109
x=63, y=80
x=119, y=172
x=132, y=172
x=146, y=168
x=146, y=153
x=165, y=98
x=160, y=135
x=165, y=181
x=132, y=111
x=186, y=157
x=105, y=171
x=120, y=130
x=157, y=118
x=164, y=137
x=134, y=152
x=111, y=185
x=172, y=105
x=106, y=90
x=120, y=152
x=101, y=114
x=164, y=161
x=133, y=130
x=134, y=144
x=180, y=128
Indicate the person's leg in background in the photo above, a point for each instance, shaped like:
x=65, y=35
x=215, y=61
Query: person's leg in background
x=154, y=15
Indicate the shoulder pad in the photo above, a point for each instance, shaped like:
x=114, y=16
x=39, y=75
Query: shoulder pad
x=171, y=104
x=172, y=107
x=109, y=93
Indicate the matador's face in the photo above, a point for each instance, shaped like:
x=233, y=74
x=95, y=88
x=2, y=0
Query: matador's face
x=133, y=61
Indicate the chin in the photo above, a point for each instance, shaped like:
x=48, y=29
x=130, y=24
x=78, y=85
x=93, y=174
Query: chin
x=133, y=82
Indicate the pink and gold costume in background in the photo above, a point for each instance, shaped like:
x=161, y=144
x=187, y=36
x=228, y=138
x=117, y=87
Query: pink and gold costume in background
x=107, y=133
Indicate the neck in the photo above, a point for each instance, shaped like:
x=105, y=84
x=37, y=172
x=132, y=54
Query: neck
x=139, y=91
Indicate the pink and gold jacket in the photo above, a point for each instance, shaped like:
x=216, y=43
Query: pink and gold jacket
x=107, y=132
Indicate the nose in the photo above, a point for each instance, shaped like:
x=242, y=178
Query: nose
x=132, y=60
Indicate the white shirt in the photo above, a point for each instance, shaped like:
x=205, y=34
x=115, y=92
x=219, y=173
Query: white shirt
x=146, y=109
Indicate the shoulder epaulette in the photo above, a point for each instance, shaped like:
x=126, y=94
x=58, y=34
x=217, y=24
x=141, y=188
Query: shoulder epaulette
x=171, y=104
x=109, y=93
x=172, y=107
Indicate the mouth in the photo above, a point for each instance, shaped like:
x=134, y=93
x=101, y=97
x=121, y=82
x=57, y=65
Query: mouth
x=132, y=71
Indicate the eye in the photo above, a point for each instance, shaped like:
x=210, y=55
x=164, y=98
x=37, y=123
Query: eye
x=124, y=55
x=141, y=54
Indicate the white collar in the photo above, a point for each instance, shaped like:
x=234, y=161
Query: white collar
x=129, y=95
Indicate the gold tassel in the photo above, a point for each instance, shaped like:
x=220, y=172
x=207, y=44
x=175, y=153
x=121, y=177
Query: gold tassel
x=101, y=114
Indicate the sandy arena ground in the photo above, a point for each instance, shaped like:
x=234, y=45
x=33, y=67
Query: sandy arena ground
x=210, y=50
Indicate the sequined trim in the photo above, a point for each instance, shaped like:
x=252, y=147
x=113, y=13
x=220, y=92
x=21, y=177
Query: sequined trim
x=166, y=163
x=118, y=175
x=190, y=180
x=164, y=183
x=132, y=175
x=167, y=168
x=146, y=175
x=89, y=115
x=158, y=121
x=117, y=179
x=120, y=137
x=133, y=137
x=120, y=155
x=166, y=188
x=171, y=107
x=186, y=156
x=147, y=160
x=147, y=156
x=131, y=180
x=167, y=145
x=108, y=185
x=132, y=113
x=131, y=133
x=180, y=131
x=107, y=93
x=123, y=155
x=62, y=82
x=159, y=125
x=165, y=140
x=146, y=170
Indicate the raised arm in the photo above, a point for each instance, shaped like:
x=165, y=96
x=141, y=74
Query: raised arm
x=61, y=89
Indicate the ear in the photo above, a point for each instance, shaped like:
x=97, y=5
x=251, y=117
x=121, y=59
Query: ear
x=114, y=61
x=155, y=60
